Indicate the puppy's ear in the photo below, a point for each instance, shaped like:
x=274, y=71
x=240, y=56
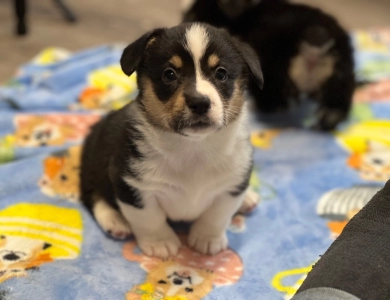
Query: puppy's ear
x=252, y=61
x=133, y=53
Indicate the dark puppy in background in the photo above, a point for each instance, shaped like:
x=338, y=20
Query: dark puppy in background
x=304, y=53
x=181, y=150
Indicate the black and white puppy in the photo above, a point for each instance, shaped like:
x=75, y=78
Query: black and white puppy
x=181, y=150
x=304, y=53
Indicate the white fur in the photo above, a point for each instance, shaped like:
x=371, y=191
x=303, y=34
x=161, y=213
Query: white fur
x=111, y=220
x=154, y=236
x=250, y=202
x=197, y=40
x=189, y=180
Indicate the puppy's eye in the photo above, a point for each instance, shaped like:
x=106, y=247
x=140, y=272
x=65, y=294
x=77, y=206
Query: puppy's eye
x=169, y=75
x=221, y=74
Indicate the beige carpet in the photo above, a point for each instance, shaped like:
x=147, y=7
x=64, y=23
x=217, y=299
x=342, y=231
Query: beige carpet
x=102, y=21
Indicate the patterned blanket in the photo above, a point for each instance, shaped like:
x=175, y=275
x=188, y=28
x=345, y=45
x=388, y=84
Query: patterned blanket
x=310, y=185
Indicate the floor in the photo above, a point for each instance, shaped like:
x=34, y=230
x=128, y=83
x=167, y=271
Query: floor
x=102, y=22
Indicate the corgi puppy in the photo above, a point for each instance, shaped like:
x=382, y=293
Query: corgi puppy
x=181, y=151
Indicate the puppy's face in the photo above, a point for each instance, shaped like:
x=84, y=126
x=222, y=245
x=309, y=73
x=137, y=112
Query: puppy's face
x=191, y=77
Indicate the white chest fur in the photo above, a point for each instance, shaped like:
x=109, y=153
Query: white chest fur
x=186, y=174
x=310, y=79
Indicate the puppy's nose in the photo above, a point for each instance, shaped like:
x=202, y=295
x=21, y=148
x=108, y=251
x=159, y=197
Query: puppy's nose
x=199, y=104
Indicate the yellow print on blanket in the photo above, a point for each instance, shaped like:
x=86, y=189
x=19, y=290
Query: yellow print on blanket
x=51, y=55
x=263, y=138
x=295, y=277
x=374, y=40
x=35, y=234
x=108, y=89
x=187, y=276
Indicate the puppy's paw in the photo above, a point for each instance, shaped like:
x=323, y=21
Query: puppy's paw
x=251, y=201
x=329, y=118
x=112, y=221
x=158, y=245
x=208, y=244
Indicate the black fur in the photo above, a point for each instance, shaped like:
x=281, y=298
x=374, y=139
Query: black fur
x=133, y=53
x=239, y=189
x=275, y=29
x=106, y=158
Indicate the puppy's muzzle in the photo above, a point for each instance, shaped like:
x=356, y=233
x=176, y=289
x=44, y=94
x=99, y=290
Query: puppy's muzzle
x=198, y=104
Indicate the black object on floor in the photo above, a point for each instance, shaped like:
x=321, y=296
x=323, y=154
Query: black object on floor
x=358, y=262
x=21, y=12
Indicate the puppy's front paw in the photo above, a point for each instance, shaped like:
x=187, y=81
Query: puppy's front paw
x=251, y=201
x=208, y=244
x=160, y=245
x=329, y=118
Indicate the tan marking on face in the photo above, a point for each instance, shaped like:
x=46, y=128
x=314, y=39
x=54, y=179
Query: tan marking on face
x=234, y=105
x=213, y=60
x=161, y=113
x=176, y=61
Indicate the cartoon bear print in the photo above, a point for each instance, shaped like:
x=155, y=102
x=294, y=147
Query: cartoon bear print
x=61, y=174
x=368, y=143
x=18, y=254
x=374, y=163
x=35, y=234
x=51, y=129
x=188, y=276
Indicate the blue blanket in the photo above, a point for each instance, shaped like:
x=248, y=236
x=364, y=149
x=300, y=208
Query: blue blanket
x=310, y=185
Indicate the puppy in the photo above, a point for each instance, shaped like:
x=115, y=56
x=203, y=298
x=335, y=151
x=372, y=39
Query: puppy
x=304, y=53
x=181, y=150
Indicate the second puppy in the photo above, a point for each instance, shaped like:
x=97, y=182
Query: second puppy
x=181, y=150
x=305, y=53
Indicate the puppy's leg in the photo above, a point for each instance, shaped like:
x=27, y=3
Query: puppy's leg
x=335, y=101
x=250, y=202
x=154, y=236
x=111, y=220
x=208, y=233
